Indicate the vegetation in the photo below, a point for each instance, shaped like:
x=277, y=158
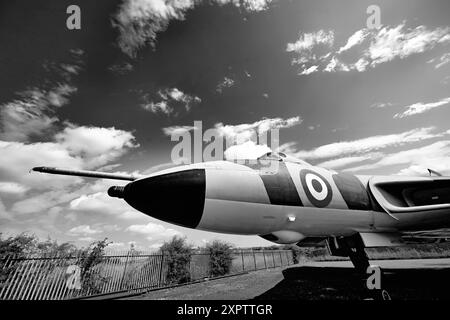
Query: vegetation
x=220, y=257
x=177, y=256
x=25, y=245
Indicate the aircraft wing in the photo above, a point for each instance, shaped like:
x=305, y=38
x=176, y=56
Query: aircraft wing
x=85, y=173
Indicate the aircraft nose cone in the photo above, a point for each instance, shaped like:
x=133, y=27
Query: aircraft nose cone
x=176, y=197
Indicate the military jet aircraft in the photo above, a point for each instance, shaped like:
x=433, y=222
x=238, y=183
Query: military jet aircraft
x=289, y=202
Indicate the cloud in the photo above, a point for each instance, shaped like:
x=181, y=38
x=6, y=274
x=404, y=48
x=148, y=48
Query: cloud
x=370, y=144
x=99, y=202
x=169, y=97
x=310, y=70
x=391, y=43
x=12, y=188
x=121, y=68
x=308, y=41
x=345, y=161
x=140, y=21
x=177, y=130
x=309, y=47
x=83, y=230
x=244, y=132
x=226, y=83
x=247, y=150
x=87, y=239
x=94, y=145
x=420, y=107
x=31, y=114
x=434, y=156
x=365, y=48
x=355, y=39
x=73, y=147
x=153, y=231
x=381, y=105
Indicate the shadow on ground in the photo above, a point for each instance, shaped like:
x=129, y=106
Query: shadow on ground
x=319, y=283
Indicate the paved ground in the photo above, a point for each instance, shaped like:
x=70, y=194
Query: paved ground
x=404, y=279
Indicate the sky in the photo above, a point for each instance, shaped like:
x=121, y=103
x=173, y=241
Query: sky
x=345, y=93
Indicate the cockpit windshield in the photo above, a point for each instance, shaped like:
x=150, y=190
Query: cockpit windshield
x=280, y=156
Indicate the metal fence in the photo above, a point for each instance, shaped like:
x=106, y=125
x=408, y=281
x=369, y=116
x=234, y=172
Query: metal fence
x=58, y=278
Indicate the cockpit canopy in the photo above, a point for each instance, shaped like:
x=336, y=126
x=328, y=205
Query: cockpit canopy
x=280, y=156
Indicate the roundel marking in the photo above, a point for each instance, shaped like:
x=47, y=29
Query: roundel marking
x=317, y=188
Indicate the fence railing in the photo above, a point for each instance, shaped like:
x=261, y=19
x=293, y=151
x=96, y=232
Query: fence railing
x=58, y=278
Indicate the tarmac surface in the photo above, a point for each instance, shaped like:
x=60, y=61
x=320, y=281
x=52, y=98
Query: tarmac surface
x=332, y=280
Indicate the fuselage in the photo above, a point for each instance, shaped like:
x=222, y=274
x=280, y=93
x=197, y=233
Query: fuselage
x=284, y=200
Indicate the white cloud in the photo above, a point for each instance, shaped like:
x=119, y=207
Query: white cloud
x=345, y=161
x=83, y=230
x=434, y=156
x=226, y=83
x=310, y=70
x=381, y=104
x=12, y=187
x=177, y=130
x=247, y=150
x=308, y=41
x=355, y=39
x=444, y=59
x=101, y=203
x=244, y=132
x=153, y=231
x=28, y=116
x=95, y=146
x=140, y=21
x=87, y=239
x=366, y=48
x=420, y=107
x=170, y=97
x=391, y=43
x=370, y=144
x=74, y=147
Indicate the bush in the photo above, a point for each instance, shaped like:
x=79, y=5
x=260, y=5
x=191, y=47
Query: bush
x=220, y=258
x=89, y=258
x=177, y=257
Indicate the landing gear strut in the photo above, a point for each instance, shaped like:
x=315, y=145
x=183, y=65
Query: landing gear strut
x=351, y=247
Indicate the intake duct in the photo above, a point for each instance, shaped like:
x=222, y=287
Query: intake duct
x=116, y=192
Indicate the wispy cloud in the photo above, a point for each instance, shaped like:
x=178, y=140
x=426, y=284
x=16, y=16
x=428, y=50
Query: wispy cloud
x=367, y=145
x=420, y=107
x=153, y=231
x=434, y=156
x=170, y=97
x=365, y=48
x=83, y=230
x=140, y=21
x=32, y=113
x=226, y=83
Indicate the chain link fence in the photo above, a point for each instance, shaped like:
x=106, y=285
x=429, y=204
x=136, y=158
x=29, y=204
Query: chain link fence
x=59, y=278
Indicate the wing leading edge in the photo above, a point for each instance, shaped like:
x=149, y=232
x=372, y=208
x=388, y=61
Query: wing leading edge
x=85, y=173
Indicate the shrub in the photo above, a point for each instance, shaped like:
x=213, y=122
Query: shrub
x=90, y=257
x=220, y=257
x=177, y=257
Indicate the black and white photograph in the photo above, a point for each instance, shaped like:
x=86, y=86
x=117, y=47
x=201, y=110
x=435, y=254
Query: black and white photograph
x=223, y=156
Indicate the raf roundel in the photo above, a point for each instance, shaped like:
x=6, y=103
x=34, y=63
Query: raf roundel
x=316, y=187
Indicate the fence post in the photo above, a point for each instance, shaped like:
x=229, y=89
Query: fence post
x=264, y=256
x=281, y=259
x=273, y=258
x=124, y=270
x=254, y=258
x=242, y=255
x=161, y=269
